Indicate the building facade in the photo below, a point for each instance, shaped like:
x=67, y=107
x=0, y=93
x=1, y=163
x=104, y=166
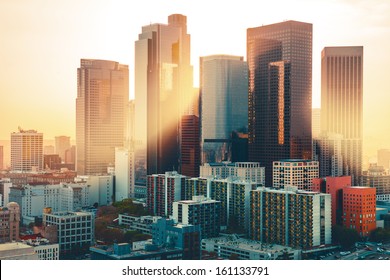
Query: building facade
x=75, y=229
x=224, y=104
x=290, y=217
x=342, y=103
x=280, y=93
x=327, y=150
x=377, y=177
x=294, y=173
x=162, y=191
x=26, y=151
x=163, y=91
x=199, y=211
x=359, y=206
x=333, y=186
x=124, y=174
x=62, y=143
x=190, y=146
x=245, y=171
x=101, y=112
x=9, y=223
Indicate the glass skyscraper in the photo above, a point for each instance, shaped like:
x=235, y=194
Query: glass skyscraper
x=101, y=113
x=224, y=104
x=280, y=93
x=163, y=91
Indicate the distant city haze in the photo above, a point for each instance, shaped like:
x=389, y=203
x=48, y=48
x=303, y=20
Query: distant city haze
x=43, y=42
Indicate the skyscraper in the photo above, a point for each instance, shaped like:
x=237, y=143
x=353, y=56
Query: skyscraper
x=101, y=112
x=163, y=91
x=342, y=102
x=26, y=150
x=62, y=144
x=190, y=147
x=1, y=157
x=224, y=104
x=280, y=93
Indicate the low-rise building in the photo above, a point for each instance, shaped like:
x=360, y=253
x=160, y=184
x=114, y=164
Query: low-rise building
x=142, y=224
x=232, y=246
x=17, y=251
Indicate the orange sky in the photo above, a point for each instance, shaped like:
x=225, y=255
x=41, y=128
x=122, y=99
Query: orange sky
x=42, y=41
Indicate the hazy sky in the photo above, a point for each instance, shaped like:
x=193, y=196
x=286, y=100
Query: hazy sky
x=42, y=41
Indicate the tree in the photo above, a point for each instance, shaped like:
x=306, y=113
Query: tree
x=380, y=235
x=345, y=237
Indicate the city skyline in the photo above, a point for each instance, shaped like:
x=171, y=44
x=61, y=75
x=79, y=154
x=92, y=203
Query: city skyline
x=365, y=24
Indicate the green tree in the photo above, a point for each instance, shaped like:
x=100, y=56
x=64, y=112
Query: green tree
x=345, y=237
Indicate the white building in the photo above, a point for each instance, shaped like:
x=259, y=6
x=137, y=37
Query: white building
x=101, y=189
x=17, y=251
x=294, y=173
x=6, y=184
x=75, y=229
x=44, y=249
x=124, y=174
x=246, y=171
x=245, y=249
x=61, y=197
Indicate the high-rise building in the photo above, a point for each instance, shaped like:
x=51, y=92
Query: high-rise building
x=342, y=103
x=384, y=158
x=280, y=93
x=359, y=207
x=290, y=217
x=162, y=191
x=124, y=174
x=199, y=211
x=62, y=144
x=70, y=155
x=294, y=173
x=316, y=122
x=224, y=104
x=327, y=150
x=101, y=112
x=48, y=150
x=333, y=186
x=26, y=150
x=51, y=161
x=377, y=177
x=163, y=91
x=190, y=146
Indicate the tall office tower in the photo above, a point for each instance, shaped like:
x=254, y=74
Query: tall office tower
x=359, y=207
x=190, y=146
x=199, y=211
x=224, y=104
x=9, y=223
x=294, y=218
x=333, y=186
x=377, y=177
x=280, y=93
x=384, y=158
x=327, y=150
x=163, y=91
x=62, y=144
x=102, y=97
x=342, y=103
x=316, y=122
x=1, y=157
x=162, y=191
x=26, y=150
x=294, y=173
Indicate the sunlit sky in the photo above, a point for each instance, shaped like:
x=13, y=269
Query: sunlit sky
x=42, y=42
